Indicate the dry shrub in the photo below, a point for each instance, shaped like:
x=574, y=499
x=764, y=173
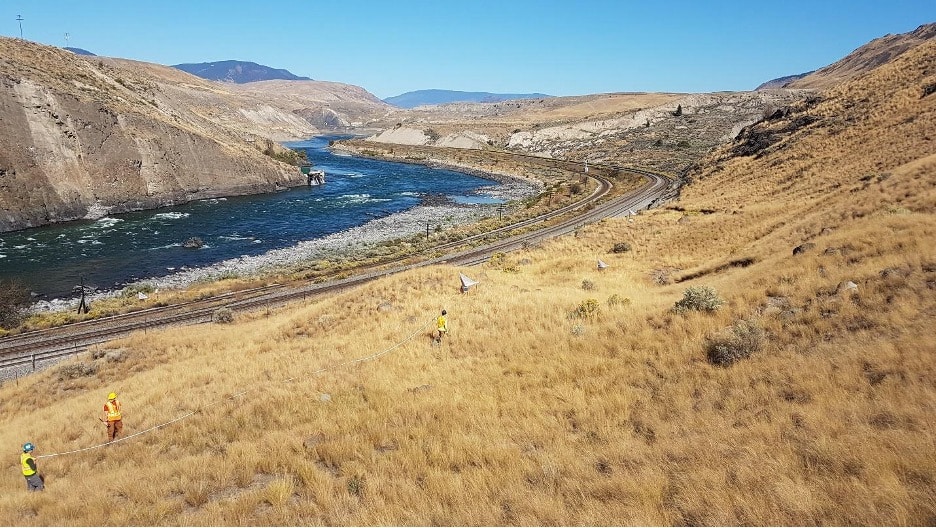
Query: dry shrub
x=698, y=298
x=740, y=341
x=76, y=370
x=223, y=316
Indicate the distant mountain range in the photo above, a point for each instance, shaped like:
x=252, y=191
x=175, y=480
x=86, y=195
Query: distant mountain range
x=79, y=51
x=237, y=72
x=781, y=81
x=435, y=97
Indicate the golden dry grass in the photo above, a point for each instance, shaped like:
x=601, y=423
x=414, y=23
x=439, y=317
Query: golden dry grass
x=529, y=416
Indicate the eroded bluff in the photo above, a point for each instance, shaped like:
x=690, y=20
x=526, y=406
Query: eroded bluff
x=64, y=156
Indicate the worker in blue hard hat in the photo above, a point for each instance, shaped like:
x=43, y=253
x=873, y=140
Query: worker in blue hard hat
x=34, y=481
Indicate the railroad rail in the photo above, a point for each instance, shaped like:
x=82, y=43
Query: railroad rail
x=28, y=351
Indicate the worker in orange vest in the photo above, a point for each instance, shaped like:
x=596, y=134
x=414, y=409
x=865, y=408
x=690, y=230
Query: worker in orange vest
x=112, y=417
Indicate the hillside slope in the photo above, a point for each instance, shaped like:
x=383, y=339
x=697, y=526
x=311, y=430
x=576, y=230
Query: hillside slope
x=237, y=71
x=643, y=129
x=867, y=57
x=563, y=394
x=103, y=135
x=780, y=82
x=324, y=104
x=92, y=135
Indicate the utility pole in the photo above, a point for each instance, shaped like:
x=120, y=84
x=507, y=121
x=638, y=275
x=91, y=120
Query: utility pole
x=427, y=230
x=83, y=306
x=19, y=18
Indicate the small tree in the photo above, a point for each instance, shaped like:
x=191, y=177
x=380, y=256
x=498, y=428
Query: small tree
x=14, y=298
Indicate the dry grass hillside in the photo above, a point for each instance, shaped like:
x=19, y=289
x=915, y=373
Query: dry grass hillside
x=564, y=395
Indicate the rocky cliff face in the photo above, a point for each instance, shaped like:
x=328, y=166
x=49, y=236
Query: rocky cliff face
x=81, y=137
x=93, y=138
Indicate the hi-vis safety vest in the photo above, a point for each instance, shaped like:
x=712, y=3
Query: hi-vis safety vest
x=113, y=410
x=440, y=323
x=27, y=471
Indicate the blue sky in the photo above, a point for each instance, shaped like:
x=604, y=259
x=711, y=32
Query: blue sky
x=569, y=47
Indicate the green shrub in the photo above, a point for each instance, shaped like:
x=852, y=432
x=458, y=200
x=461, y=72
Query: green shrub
x=136, y=289
x=588, y=285
x=356, y=485
x=742, y=340
x=589, y=308
x=698, y=298
x=621, y=247
x=617, y=300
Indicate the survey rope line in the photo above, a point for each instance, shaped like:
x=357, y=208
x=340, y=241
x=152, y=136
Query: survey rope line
x=128, y=437
x=241, y=393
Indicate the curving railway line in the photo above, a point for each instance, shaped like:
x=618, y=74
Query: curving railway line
x=27, y=352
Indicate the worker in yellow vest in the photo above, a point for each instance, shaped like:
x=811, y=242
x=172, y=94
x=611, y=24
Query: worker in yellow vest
x=441, y=326
x=112, y=417
x=34, y=481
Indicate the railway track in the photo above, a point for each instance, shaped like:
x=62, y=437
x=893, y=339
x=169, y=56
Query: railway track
x=30, y=351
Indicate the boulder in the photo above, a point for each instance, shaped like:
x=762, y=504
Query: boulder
x=846, y=287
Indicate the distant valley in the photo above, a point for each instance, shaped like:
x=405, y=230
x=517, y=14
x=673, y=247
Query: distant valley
x=436, y=97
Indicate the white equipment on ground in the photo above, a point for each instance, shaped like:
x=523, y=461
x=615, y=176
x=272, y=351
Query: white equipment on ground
x=466, y=282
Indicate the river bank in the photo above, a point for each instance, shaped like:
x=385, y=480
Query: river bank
x=438, y=212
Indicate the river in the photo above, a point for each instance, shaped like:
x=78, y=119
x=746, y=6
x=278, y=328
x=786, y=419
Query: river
x=115, y=250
